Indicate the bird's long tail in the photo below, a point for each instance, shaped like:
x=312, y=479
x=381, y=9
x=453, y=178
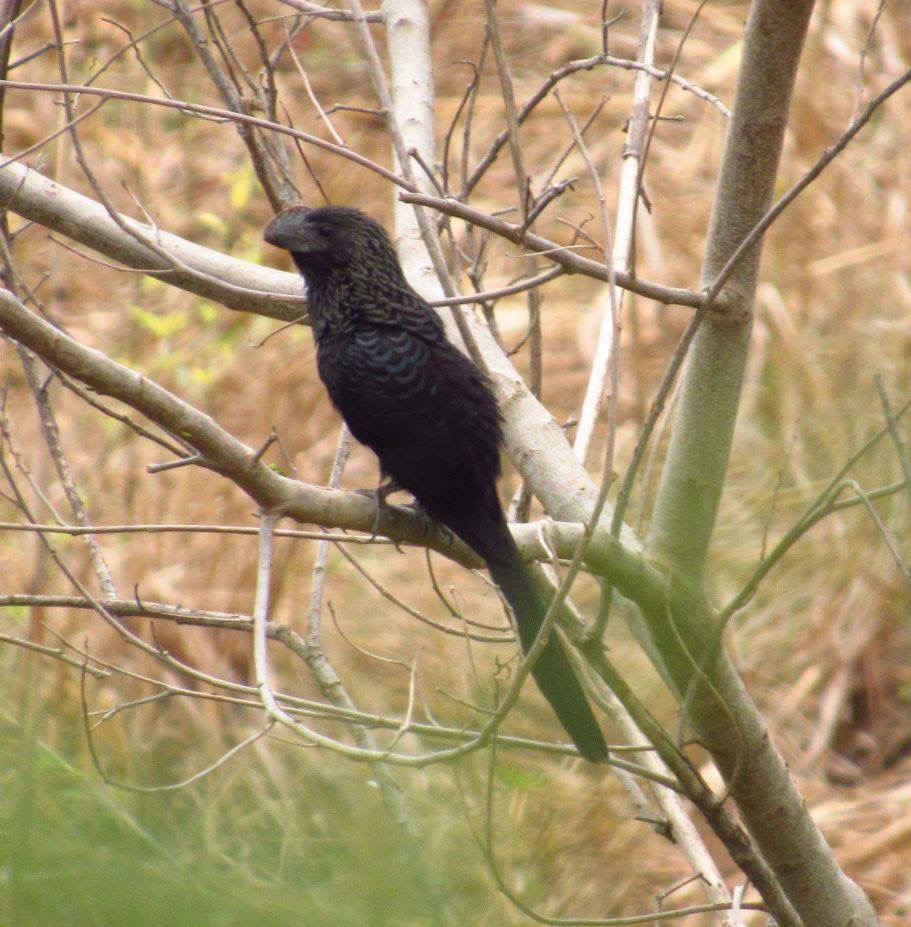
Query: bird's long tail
x=552, y=671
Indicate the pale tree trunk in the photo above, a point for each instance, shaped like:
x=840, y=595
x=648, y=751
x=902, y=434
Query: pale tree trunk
x=719, y=708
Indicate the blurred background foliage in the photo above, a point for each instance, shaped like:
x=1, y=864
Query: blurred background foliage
x=286, y=834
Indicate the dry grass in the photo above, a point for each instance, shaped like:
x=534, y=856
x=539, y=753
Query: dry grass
x=825, y=645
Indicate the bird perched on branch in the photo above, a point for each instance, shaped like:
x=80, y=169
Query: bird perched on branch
x=424, y=409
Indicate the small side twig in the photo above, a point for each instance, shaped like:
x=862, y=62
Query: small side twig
x=901, y=451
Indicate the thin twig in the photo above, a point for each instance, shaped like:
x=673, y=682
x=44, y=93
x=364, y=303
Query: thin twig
x=527, y=203
x=901, y=451
x=827, y=157
x=418, y=616
x=64, y=472
x=308, y=89
x=617, y=254
x=201, y=110
x=572, y=263
x=485, y=296
x=859, y=86
x=884, y=533
x=54, y=652
x=822, y=505
x=573, y=67
x=322, y=12
x=76, y=530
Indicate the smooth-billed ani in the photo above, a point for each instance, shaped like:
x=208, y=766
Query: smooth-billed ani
x=425, y=410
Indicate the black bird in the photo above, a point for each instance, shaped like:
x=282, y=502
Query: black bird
x=424, y=409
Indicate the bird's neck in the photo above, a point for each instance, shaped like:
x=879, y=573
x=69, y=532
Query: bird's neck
x=327, y=303
x=339, y=301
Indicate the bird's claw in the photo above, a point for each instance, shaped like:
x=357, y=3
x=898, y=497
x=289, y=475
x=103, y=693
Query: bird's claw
x=379, y=495
x=379, y=504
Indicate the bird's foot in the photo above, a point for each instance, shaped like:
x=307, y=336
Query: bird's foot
x=379, y=502
x=379, y=496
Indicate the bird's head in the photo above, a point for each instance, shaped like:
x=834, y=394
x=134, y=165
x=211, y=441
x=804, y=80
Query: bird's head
x=329, y=237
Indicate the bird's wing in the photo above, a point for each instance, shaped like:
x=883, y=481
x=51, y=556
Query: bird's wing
x=402, y=308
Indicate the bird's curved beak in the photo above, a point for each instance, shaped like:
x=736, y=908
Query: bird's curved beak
x=288, y=229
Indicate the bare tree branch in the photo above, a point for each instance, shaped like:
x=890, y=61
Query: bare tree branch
x=223, y=454
x=229, y=281
x=617, y=257
x=570, y=261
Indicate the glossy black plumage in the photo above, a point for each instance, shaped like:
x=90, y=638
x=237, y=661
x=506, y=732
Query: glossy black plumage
x=425, y=410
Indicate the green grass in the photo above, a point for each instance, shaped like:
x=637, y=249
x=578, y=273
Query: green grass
x=216, y=854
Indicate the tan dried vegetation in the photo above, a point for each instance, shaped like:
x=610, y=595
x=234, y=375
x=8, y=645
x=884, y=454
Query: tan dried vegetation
x=825, y=645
